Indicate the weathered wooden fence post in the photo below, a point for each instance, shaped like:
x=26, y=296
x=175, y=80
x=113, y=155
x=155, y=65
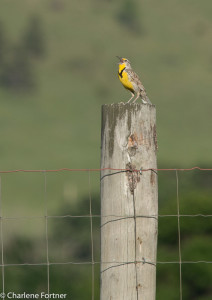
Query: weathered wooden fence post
x=129, y=202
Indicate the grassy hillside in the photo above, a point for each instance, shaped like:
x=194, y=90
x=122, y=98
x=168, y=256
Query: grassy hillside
x=58, y=123
x=53, y=120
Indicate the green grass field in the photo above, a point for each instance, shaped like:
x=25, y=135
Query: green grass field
x=57, y=123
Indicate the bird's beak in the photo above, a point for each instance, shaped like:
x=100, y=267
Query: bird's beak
x=119, y=59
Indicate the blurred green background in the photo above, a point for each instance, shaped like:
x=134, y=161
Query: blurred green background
x=57, y=67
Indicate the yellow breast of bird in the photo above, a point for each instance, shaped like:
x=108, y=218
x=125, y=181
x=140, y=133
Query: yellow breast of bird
x=123, y=77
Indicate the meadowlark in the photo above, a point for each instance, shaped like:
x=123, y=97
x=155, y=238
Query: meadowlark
x=131, y=81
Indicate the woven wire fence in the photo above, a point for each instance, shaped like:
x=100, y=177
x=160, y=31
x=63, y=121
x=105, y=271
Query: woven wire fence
x=46, y=217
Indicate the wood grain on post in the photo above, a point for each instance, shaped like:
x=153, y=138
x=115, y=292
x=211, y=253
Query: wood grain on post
x=129, y=202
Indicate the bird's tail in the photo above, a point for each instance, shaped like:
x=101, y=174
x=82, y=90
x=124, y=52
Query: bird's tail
x=144, y=97
x=147, y=99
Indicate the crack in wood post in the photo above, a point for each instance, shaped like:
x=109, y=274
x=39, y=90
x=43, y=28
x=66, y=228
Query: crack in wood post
x=133, y=177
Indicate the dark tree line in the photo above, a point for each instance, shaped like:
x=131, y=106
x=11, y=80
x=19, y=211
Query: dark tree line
x=17, y=60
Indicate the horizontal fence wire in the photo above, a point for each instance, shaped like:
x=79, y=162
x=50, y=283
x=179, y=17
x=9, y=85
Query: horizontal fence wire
x=106, y=262
x=104, y=169
x=99, y=216
x=93, y=262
